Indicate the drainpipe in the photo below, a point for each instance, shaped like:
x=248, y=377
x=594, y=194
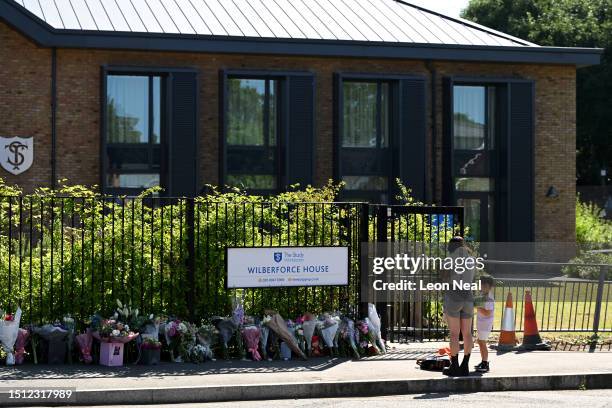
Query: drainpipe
x=53, y=117
x=431, y=194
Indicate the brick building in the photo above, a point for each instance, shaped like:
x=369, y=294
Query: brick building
x=131, y=94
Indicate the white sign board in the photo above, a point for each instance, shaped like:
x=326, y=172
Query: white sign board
x=16, y=154
x=287, y=266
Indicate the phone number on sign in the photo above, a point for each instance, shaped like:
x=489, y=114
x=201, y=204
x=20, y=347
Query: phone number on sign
x=41, y=394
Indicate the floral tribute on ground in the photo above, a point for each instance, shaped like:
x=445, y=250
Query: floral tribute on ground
x=131, y=337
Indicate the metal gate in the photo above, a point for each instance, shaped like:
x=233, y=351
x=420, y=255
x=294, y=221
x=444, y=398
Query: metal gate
x=421, y=230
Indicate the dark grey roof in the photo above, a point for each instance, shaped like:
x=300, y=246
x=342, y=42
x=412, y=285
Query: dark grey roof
x=357, y=20
x=325, y=28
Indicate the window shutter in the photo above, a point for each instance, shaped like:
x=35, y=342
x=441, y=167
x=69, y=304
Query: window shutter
x=300, y=127
x=182, y=143
x=412, y=136
x=448, y=188
x=520, y=164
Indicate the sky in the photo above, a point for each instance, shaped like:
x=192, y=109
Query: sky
x=448, y=7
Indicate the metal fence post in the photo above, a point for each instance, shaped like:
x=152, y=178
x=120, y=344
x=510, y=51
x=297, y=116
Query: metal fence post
x=190, y=262
x=364, y=243
x=603, y=271
x=382, y=221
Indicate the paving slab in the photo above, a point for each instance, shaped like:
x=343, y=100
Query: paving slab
x=395, y=372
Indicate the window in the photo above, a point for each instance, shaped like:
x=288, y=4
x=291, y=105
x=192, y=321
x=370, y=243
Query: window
x=133, y=132
x=474, y=150
x=365, y=140
x=252, y=134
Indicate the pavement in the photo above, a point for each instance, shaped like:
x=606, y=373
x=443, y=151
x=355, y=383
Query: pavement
x=516, y=399
x=391, y=374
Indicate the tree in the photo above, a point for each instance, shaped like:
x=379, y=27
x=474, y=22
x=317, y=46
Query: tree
x=567, y=23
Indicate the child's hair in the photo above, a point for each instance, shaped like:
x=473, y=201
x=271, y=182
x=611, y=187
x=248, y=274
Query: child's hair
x=455, y=243
x=487, y=280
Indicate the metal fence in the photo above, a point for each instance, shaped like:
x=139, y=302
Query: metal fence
x=561, y=305
x=414, y=315
x=78, y=255
x=62, y=255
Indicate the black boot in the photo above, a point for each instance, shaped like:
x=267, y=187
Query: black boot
x=464, y=369
x=453, y=370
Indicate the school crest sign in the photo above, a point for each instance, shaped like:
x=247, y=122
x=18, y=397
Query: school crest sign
x=16, y=154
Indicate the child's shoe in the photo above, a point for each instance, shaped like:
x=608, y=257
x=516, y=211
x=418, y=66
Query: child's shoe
x=483, y=367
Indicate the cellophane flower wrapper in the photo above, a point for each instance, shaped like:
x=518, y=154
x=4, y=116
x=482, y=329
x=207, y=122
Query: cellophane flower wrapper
x=352, y=336
x=263, y=340
x=329, y=333
x=374, y=336
x=9, y=330
x=115, y=339
x=50, y=332
x=84, y=341
x=278, y=325
x=22, y=339
x=374, y=321
x=205, y=337
x=69, y=324
x=226, y=329
x=309, y=327
x=251, y=335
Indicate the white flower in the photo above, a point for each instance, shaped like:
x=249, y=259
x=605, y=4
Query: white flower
x=126, y=327
x=182, y=327
x=115, y=333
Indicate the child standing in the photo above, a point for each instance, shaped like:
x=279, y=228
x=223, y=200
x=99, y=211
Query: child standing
x=485, y=306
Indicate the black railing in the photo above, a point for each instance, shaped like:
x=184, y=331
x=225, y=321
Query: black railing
x=561, y=305
x=69, y=255
x=78, y=255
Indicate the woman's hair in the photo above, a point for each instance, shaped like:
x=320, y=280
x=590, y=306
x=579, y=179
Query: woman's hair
x=455, y=243
x=487, y=280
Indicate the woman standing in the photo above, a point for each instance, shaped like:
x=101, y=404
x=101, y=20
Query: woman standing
x=459, y=309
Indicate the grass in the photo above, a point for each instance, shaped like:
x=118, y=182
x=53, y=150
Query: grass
x=559, y=306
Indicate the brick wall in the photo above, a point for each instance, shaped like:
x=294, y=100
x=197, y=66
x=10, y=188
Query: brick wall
x=25, y=98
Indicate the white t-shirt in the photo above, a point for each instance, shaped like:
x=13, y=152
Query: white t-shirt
x=485, y=323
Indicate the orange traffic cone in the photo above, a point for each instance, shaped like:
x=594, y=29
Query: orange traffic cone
x=507, y=336
x=531, y=338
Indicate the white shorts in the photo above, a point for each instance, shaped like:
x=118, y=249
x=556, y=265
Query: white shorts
x=483, y=335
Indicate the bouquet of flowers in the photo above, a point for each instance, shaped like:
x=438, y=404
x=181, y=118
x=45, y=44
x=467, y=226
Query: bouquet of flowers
x=374, y=324
x=226, y=328
x=179, y=337
x=365, y=338
x=309, y=324
x=150, y=343
x=349, y=335
x=278, y=325
x=251, y=336
x=22, y=339
x=9, y=330
x=84, y=341
x=328, y=331
x=55, y=335
x=238, y=318
x=69, y=325
x=147, y=325
x=299, y=337
x=198, y=354
x=205, y=337
x=264, y=331
x=113, y=331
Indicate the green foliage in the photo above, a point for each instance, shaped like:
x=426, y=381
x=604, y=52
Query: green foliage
x=592, y=233
x=75, y=251
x=591, y=228
x=567, y=23
x=579, y=270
